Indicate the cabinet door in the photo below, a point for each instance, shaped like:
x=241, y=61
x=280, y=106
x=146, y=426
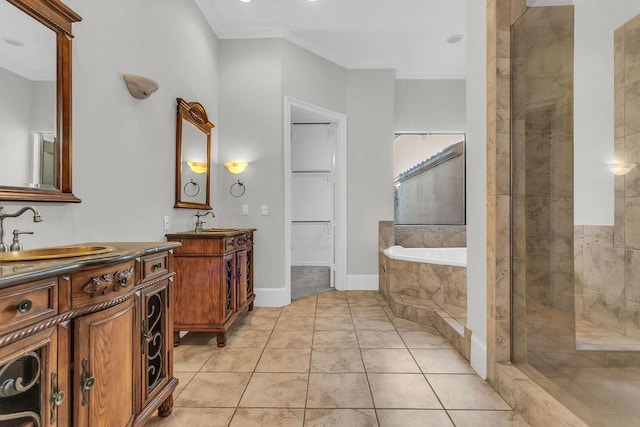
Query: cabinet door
x=29, y=381
x=229, y=288
x=241, y=279
x=106, y=366
x=249, y=273
x=156, y=339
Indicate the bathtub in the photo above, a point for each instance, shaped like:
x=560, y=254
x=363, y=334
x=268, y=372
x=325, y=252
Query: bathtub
x=429, y=275
x=455, y=257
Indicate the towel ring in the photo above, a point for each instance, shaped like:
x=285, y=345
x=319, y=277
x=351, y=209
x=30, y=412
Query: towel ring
x=239, y=191
x=191, y=188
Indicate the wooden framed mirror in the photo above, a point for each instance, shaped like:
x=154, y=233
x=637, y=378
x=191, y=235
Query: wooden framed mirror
x=193, y=154
x=35, y=70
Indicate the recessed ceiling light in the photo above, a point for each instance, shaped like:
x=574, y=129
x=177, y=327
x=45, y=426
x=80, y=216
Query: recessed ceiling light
x=455, y=38
x=245, y=1
x=13, y=42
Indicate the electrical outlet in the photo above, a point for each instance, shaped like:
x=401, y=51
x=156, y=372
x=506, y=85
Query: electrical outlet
x=245, y=209
x=265, y=210
x=167, y=224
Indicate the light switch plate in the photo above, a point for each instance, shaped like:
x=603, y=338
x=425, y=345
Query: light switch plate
x=265, y=210
x=167, y=224
x=245, y=209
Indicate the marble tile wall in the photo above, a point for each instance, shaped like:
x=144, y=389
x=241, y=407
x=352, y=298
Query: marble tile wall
x=431, y=236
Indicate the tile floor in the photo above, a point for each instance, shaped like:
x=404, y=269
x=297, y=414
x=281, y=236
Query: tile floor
x=336, y=359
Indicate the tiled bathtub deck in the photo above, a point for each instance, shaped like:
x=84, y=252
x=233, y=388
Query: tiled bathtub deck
x=337, y=359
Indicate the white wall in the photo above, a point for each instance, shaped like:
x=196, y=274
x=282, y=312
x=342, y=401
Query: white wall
x=477, y=182
x=595, y=22
x=430, y=105
x=370, y=135
x=123, y=148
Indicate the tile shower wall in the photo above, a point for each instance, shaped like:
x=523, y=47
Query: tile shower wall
x=542, y=120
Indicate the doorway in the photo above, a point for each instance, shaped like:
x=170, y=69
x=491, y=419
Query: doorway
x=315, y=199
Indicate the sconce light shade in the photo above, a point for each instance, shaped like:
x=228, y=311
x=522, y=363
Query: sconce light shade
x=198, y=167
x=621, y=168
x=236, y=167
x=140, y=87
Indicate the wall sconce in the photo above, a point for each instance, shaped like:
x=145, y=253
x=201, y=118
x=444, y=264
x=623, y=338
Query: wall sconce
x=237, y=188
x=621, y=168
x=198, y=167
x=140, y=87
x=236, y=167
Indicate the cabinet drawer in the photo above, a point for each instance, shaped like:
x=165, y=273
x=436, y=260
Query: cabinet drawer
x=229, y=244
x=155, y=266
x=26, y=304
x=95, y=285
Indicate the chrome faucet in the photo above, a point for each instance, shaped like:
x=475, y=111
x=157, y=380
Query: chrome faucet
x=199, y=222
x=3, y=215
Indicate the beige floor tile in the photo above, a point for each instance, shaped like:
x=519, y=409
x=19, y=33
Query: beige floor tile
x=219, y=389
x=243, y=339
x=256, y=417
x=233, y=360
x=307, y=301
x=295, y=323
x=194, y=417
x=441, y=361
x=335, y=339
x=340, y=418
x=332, y=295
x=487, y=418
x=183, y=380
x=190, y=358
x=361, y=302
x=414, y=418
x=290, y=339
x=379, y=339
x=199, y=338
x=257, y=323
x=338, y=391
x=465, y=392
x=298, y=311
x=374, y=312
x=407, y=325
x=332, y=302
x=369, y=324
x=334, y=323
x=266, y=390
x=332, y=311
x=284, y=360
x=425, y=339
x=266, y=312
x=403, y=391
x=396, y=360
x=336, y=360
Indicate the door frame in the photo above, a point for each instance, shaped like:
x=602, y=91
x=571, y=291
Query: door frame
x=340, y=194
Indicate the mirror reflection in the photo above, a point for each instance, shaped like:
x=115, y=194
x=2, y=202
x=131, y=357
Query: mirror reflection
x=429, y=179
x=28, y=102
x=193, y=151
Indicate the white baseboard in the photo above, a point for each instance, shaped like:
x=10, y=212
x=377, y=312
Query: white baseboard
x=479, y=357
x=362, y=282
x=272, y=297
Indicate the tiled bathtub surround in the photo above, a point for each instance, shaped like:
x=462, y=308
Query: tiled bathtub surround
x=431, y=236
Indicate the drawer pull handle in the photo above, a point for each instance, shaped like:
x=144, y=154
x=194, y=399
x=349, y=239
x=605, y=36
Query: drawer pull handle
x=24, y=306
x=156, y=266
x=86, y=382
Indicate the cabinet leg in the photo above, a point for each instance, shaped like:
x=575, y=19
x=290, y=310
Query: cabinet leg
x=166, y=407
x=222, y=338
x=251, y=306
x=176, y=338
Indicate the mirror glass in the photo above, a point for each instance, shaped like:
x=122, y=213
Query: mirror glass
x=193, y=151
x=35, y=106
x=429, y=179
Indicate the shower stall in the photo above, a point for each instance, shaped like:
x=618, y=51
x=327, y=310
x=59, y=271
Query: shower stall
x=575, y=226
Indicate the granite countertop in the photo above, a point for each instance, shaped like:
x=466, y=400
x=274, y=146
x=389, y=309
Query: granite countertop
x=17, y=271
x=210, y=233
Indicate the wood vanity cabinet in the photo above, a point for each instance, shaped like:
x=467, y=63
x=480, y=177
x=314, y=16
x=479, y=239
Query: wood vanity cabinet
x=102, y=356
x=214, y=280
